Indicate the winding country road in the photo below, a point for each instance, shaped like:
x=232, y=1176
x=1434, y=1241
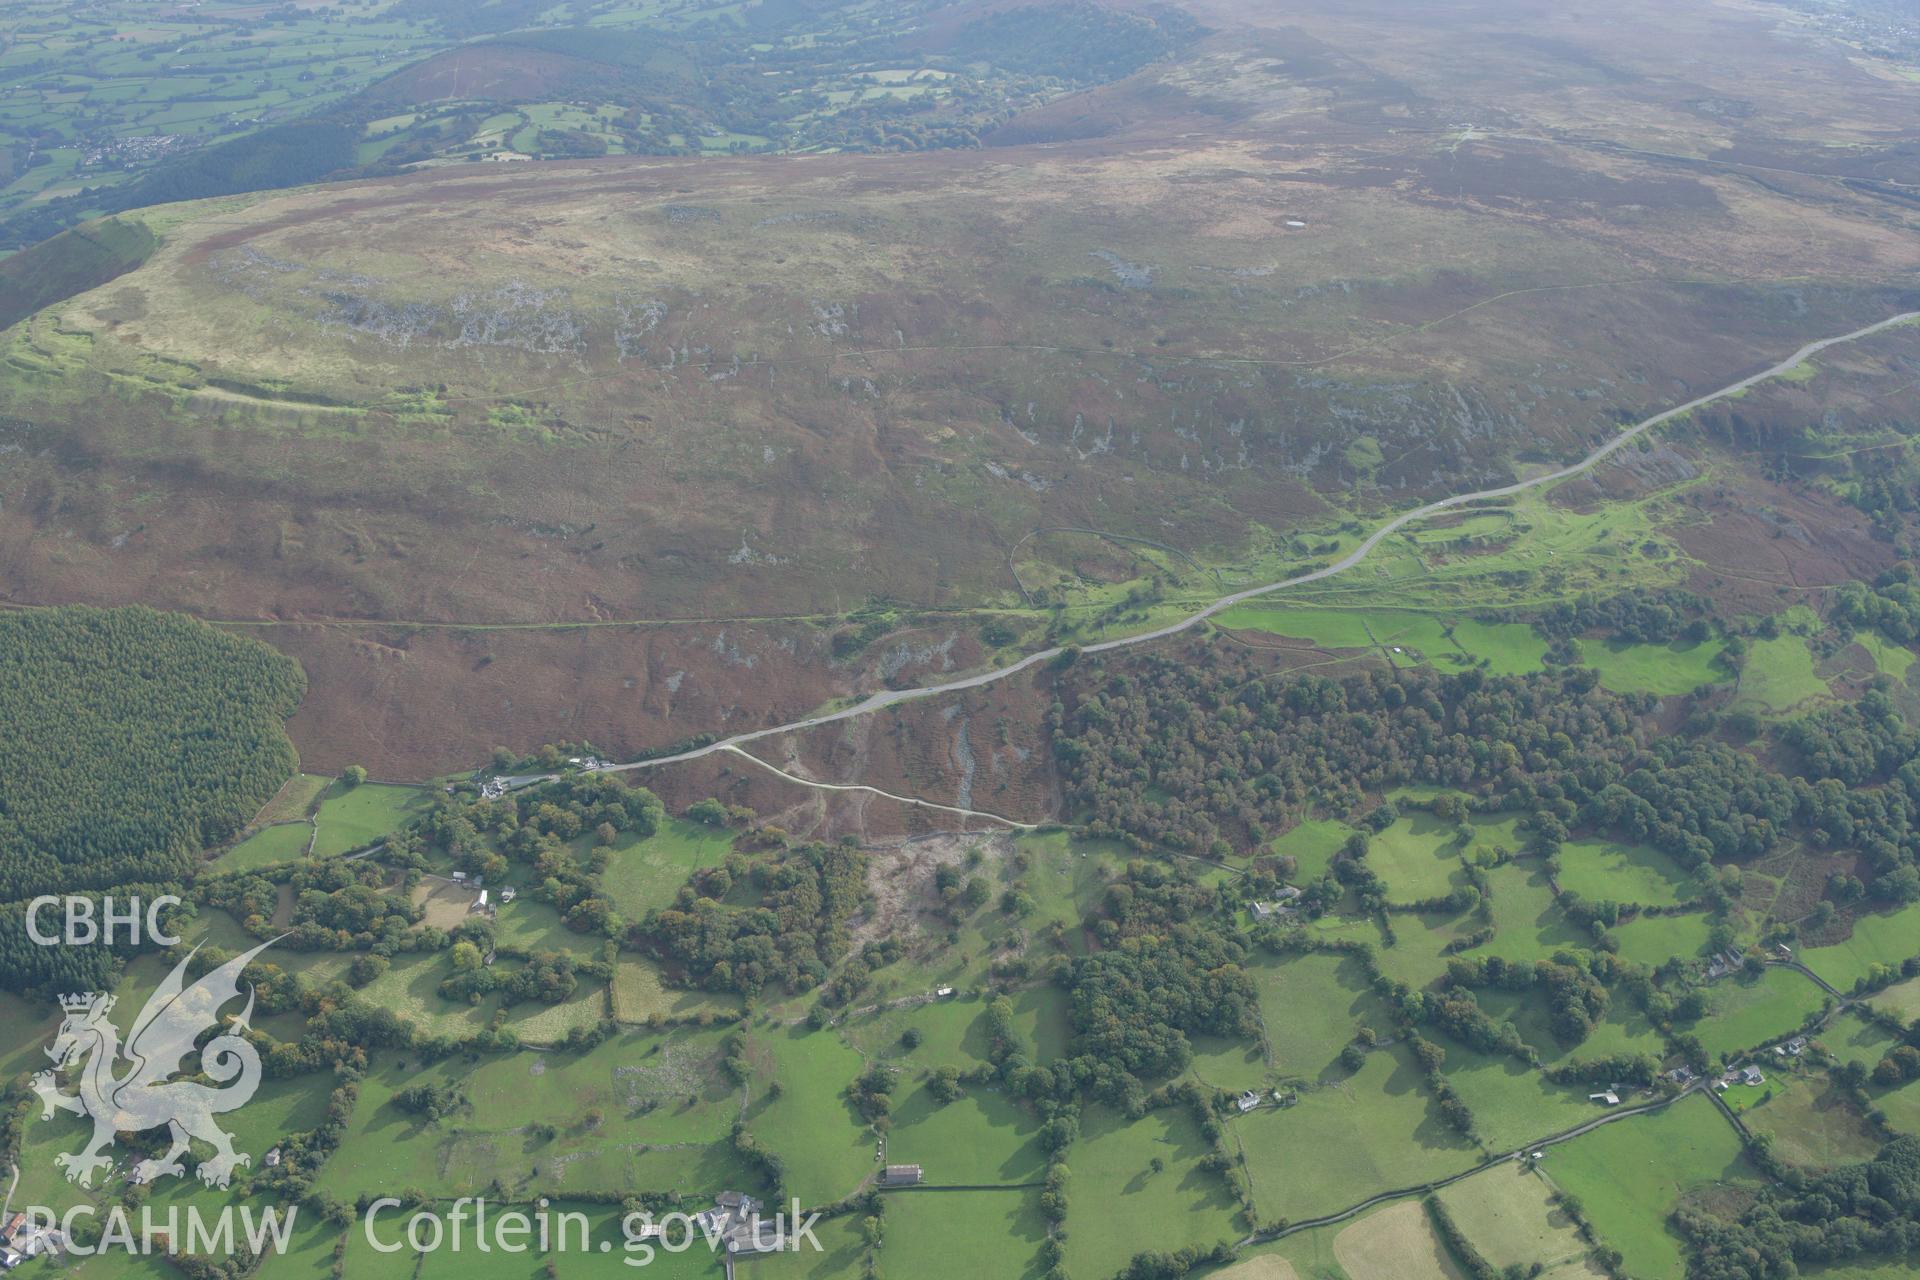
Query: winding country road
x=894, y=697
x=1702, y=1085
x=1270, y=1234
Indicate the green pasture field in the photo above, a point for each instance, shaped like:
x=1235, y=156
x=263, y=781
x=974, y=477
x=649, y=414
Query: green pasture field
x=812, y=1125
x=1508, y=1214
x=1344, y=1141
x=548, y=1024
x=1891, y=659
x=575, y=1231
x=535, y=926
x=1395, y=1242
x=1750, y=1012
x=1343, y=928
x=1304, y=1255
x=1555, y=552
x=1507, y=648
x=1653, y=940
x=1630, y=1175
x=42, y=1182
x=644, y=875
x=1851, y=1038
x=1044, y=1020
x=1494, y=831
x=1338, y=628
x=1665, y=670
x=1901, y=999
x=117, y=1264
x=361, y=1259
x=1064, y=875
x=1416, y=958
x=841, y=1254
x=639, y=1111
x=310, y=1251
x=1778, y=677
x=1622, y=1029
x=1311, y=1006
x=1812, y=1123
x=411, y=988
x=639, y=993
x=282, y=842
x=953, y=1033
x=1513, y=1104
x=962, y=1234
x=186, y=1194
x=981, y=1139
x=1310, y=1254
x=1312, y=845
x=351, y=817
x=1118, y=1206
x=561, y=115
x=216, y=928
x=1880, y=938
x=1870, y=1269
x=1233, y=1065
x=1636, y=873
x=1417, y=857
x=1528, y=925
x=291, y=1104
x=1901, y=1107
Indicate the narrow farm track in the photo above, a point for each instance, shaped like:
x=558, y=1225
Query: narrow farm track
x=861, y=786
x=894, y=697
x=1799, y=967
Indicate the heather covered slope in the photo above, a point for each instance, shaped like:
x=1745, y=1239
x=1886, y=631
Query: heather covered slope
x=768, y=387
x=1286, y=277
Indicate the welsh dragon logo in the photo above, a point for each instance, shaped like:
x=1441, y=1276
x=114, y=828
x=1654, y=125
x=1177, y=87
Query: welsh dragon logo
x=142, y=1097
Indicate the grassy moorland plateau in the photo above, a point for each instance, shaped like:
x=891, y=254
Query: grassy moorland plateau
x=888, y=384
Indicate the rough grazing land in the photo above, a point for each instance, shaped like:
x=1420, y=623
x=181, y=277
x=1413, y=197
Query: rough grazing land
x=857, y=377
